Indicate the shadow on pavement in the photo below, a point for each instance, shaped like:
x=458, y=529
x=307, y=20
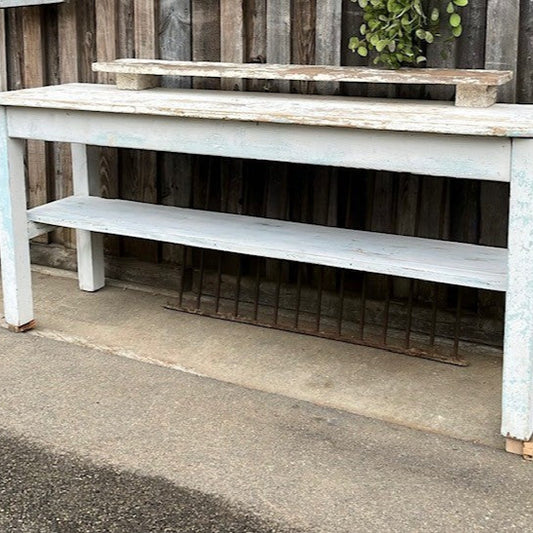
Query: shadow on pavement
x=49, y=492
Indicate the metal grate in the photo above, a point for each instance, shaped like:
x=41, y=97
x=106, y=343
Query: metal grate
x=417, y=318
x=329, y=303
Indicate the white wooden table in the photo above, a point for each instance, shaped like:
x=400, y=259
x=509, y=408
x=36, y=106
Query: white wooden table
x=428, y=138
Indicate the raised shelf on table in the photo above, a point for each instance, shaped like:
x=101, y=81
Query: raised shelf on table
x=475, y=87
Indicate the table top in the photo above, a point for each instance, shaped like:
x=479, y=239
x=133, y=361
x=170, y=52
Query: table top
x=500, y=120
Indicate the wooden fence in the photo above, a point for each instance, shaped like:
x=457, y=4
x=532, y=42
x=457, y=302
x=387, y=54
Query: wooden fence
x=57, y=43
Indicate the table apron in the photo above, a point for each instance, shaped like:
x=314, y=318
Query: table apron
x=459, y=156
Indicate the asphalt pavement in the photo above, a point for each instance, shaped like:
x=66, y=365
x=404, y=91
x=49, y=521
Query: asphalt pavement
x=92, y=442
x=44, y=492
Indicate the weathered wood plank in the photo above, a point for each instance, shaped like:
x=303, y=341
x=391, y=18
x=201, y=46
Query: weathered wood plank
x=328, y=39
x=305, y=72
x=15, y=50
x=175, y=30
x=68, y=42
x=501, y=47
x=517, y=401
x=86, y=15
x=525, y=66
x=34, y=77
x=231, y=50
x=206, y=37
x=14, y=249
x=431, y=260
x=440, y=155
x=125, y=25
x=107, y=16
x=360, y=113
x=327, y=52
x=90, y=246
x=278, y=38
x=21, y=3
x=176, y=169
x=141, y=183
x=3, y=51
x=255, y=37
x=106, y=36
x=232, y=38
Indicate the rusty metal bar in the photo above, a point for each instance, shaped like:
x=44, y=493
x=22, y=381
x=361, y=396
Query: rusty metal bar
x=219, y=282
x=200, y=280
x=434, y=310
x=319, y=298
x=277, y=293
x=237, y=296
x=457, y=329
x=183, y=274
x=409, y=316
x=363, y=308
x=341, y=302
x=298, y=296
x=257, y=289
x=386, y=311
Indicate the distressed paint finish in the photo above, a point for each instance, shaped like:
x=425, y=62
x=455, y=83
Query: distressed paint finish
x=432, y=260
x=14, y=245
x=307, y=72
x=20, y=3
x=427, y=138
x=90, y=246
x=500, y=120
x=430, y=154
x=517, y=401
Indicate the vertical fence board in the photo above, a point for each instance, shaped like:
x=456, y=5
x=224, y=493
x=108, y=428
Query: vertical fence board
x=525, y=66
x=14, y=49
x=501, y=46
x=255, y=38
x=34, y=76
x=87, y=41
x=232, y=51
x=175, y=42
x=69, y=58
x=328, y=39
x=106, y=50
x=3, y=51
x=106, y=36
x=176, y=169
x=126, y=39
x=232, y=38
x=206, y=37
x=278, y=38
x=140, y=184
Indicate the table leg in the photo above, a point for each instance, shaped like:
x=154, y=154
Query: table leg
x=517, y=401
x=90, y=246
x=14, y=242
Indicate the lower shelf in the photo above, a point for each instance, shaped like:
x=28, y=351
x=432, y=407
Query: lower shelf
x=426, y=259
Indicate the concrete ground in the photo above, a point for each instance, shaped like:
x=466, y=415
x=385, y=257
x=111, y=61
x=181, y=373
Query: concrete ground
x=460, y=402
x=259, y=431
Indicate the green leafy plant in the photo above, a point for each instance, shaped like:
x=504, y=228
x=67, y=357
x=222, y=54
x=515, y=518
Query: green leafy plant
x=396, y=32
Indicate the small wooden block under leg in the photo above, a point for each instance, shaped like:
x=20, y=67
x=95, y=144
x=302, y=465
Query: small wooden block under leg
x=137, y=82
x=475, y=95
x=519, y=447
x=23, y=328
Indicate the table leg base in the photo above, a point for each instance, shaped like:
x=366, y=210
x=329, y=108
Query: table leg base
x=21, y=329
x=519, y=447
